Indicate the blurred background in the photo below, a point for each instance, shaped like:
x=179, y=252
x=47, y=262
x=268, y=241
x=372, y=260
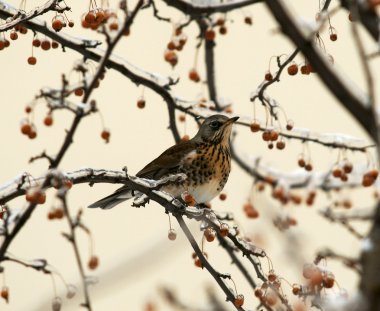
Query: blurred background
x=136, y=257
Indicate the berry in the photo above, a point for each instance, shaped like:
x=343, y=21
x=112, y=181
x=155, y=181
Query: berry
x=141, y=103
x=248, y=20
x=328, y=280
x=209, y=234
x=57, y=24
x=309, y=167
x=35, y=196
x=32, y=134
x=255, y=127
x=171, y=57
x=301, y=162
x=2, y=45
x=5, y=293
x=296, y=289
x=266, y=135
x=198, y=263
x=367, y=180
x=26, y=128
x=222, y=196
x=210, y=34
x=114, y=26
x=293, y=69
x=36, y=42
x=90, y=17
x=224, y=229
x=194, y=76
x=45, y=45
x=268, y=76
x=100, y=17
x=6, y=43
x=280, y=145
x=305, y=70
x=182, y=118
x=172, y=235
x=189, y=199
x=223, y=30
x=337, y=172
x=48, y=121
x=289, y=125
x=220, y=21
x=171, y=46
x=79, y=91
x=93, y=262
x=54, y=44
x=13, y=35
x=316, y=277
x=271, y=276
x=28, y=109
x=68, y=183
x=239, y=301
x=59, y=213
x=250, y=211
x=333, y=37
x=273, y=135
x=106, y=135
x=347, y=167
x=32, y=60
x=185, y=138
x=71, y=24
x=258, y=292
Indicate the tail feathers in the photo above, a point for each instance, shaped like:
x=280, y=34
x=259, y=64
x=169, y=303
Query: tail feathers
x=113, y=199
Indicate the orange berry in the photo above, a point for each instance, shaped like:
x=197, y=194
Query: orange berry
x=250, y=211
x=36, y=42
x=90, y=17
x=280, y=145
x=337, y=172
x=374, y=173
x=182, y=118
x=255, y=127
x=41, y=198
x=266, y=135
x=171, y=46
x=367, y=180
x=344, y=177
x=296, y=289
x=32, y=134
x=198, y=263
x=172, y=235
x=222, y=196
x=210, y=34
x=71, y=24
x=258, y=292
x=316, y=277
x=185, y=138
x=32, y=60
x=26, y=128
x=289, y=125
x=141, y=103
x=209, y=234
x=48, y=121
x=28, y=109
x=100, y=17
x=268, y=76
x=301, y=162
x=85, y=24
x=293, y=69
x=79, y=91
x=333, y=37
x=347, y=167
x=2, y=44
x=328, y=280
x=239, y=301
x=194, y=76
x=13, y=35
x=106, y=135
x=309, y=167
x=5, y=293
x=57, y=25
x=305, y=70
x=189, y=199
x=220, y=21
x=59, y=213
x=272, y=276
x=54, y=44
x=224, y=229
x=93, y=262
x=45, y=44
x=6, y=43
x=51, y=215
x=68, y=183
x=114, y=26
x=273, y=135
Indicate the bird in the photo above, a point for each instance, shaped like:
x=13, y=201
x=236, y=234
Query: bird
x=205, y=160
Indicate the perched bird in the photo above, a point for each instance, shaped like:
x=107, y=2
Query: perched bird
x=205, y=160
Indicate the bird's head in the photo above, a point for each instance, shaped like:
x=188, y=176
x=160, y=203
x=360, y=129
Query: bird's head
x=216, y=129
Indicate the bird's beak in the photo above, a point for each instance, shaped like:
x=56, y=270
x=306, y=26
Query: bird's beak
x=232, y=120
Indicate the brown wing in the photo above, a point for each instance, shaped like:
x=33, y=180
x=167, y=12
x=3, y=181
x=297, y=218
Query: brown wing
x=167, y=162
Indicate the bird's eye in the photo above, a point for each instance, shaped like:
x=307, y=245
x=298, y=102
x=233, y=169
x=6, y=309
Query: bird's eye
x=215, y=124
